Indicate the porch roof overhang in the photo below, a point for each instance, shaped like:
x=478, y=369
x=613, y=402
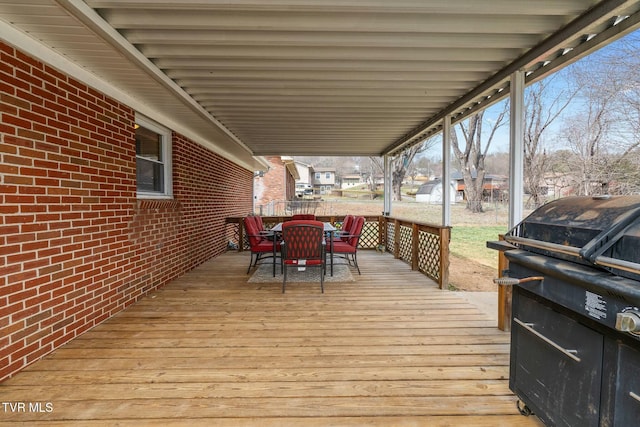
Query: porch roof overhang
x=251, y=78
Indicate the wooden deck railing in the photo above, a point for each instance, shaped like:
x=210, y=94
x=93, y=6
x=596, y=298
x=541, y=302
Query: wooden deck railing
x=425, y=247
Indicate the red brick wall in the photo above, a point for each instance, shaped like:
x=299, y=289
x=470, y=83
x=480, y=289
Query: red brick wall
x=276, y=185
x=76, y=246
x=290, y=186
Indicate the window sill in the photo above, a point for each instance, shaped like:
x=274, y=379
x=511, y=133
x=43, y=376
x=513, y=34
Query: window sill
x=154, y=196
x=158, y=203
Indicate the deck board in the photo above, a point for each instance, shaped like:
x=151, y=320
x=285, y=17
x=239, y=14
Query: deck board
x=212, y=349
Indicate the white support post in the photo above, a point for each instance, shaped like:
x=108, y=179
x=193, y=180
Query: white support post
x=446, y=171
x=516, y=149
x=387, y=185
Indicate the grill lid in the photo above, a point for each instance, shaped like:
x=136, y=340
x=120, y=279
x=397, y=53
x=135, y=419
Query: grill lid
x=602, y=231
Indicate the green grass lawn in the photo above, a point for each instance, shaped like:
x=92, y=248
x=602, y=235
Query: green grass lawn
x=470, y=241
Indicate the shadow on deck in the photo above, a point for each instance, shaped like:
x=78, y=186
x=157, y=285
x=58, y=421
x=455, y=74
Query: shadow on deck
x=212, y=349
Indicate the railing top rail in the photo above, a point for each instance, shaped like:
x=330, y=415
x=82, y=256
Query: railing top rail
x=421, y=225
x=330, y=218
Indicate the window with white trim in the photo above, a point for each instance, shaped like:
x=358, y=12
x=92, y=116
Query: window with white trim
x=153, y=159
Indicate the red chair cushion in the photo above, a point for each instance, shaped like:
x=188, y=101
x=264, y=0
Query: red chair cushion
x=343, y=247
x=354, y=232
x=264, y=246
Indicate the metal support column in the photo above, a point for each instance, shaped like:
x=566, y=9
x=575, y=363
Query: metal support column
x=446, y=171
x=516, y=149
x=388, y=194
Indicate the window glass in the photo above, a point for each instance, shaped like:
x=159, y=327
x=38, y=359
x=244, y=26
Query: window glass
x=152, y=169
x=148, y=144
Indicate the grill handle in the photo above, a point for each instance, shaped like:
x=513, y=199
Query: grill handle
x=511, y=281
x=572, y=354
x=552, y=247
x=620, y=264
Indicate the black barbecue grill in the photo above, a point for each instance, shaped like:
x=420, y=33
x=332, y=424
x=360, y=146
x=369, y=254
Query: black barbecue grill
x=575, y=331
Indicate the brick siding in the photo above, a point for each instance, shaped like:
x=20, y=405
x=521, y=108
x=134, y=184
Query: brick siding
x=76, y=245
x=275, y=185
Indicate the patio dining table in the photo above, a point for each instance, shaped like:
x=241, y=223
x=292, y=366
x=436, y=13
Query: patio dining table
x=329, y=229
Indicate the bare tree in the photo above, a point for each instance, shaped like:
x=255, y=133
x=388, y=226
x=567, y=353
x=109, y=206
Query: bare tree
x=413, y=172
x=375, y=167
x=471, y=157
x=399, y=167
x=497, y=163
x=589, y=131
x=544, y=102
x=401, y=164
x=628, y=61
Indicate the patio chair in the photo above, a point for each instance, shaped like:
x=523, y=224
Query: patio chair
x=261, y=245
x=268, y=234
x=303, y=246
x=348, y=248
x=344, y=229
x=297, y=217
x=259, y=223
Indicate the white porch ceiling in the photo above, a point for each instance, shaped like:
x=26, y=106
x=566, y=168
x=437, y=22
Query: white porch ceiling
x=315, y=77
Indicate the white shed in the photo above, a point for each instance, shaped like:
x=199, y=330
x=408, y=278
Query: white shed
x=431, y=192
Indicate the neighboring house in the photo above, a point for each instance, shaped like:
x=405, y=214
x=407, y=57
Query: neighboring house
x=276, y=185
x=418, y=180
x=495, y=187
x=303, y=183
x=324, y=180
x=304, y=173
x=351, y=180
x=559, y=184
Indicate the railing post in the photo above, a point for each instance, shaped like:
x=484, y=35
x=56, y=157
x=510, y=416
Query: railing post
x=396, y=238
x=241, y=235
x=504, y=293
x=415, y=240
x=445, y=236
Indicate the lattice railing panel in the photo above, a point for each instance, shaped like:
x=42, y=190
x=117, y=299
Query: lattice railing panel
x=391, y=230
x=429, y=255
x=369, y=236
x=233, y=235
x=405, y=244
x=267, y=225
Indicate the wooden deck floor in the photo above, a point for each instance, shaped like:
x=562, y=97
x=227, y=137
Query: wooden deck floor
x=211, y=349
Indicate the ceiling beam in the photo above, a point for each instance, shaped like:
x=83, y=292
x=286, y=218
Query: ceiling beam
x=487, y=92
